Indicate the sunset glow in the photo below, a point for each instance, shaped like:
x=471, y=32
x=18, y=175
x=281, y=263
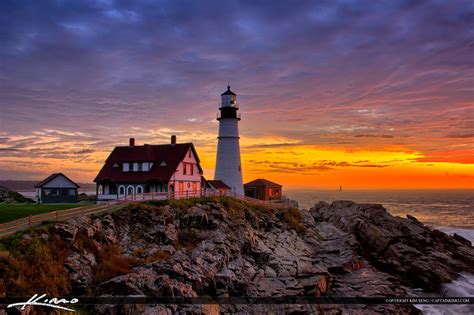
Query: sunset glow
x=334, y=94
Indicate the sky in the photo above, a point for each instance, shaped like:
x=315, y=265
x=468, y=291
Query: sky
x=363, y=94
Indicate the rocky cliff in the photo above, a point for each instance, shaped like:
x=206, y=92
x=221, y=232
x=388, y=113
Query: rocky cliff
x=224, y=247
x=404, y=247
x=8, y=195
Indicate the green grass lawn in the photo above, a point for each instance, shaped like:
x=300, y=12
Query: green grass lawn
x=13, y=211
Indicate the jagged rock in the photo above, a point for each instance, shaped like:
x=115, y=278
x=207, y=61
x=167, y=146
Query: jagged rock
x=462, y=240
x=67, y=232
x=403, y=247
x=210, y=250
x=80, y=271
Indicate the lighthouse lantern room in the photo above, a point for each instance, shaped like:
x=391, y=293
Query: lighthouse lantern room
x=228, y=165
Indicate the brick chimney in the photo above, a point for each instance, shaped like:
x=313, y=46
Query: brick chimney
x=132, y=142
x=173, y=139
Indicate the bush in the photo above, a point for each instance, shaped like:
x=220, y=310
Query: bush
x=112, y=263
x=293, y=218
x=34, y=266
x=187, y=239
x=158, y=256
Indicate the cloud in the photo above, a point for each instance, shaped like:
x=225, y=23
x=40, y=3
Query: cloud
x=79, y=77
x=461, y=136
x=373, y=136
x=313, y=167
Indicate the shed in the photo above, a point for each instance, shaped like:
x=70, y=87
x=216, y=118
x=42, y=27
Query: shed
x=263, y=189
x=217, y=186
x=56, y=188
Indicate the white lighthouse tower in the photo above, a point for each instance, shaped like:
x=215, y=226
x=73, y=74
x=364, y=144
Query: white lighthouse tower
x=228, y=166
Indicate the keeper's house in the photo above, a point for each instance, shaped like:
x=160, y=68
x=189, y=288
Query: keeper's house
x=131, y=171
x=56, y=188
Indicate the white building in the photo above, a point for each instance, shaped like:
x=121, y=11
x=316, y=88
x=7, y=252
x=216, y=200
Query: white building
x=131, y=171
x=228, y=165
x=56, y=188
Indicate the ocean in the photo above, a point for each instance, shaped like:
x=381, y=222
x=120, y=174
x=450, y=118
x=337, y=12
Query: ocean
x=448, y=210
x=451, y=211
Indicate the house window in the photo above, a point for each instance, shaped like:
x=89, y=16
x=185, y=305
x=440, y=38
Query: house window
x=140, y=167
x=184, y=168
x=55, y=192
x=72, y=192
x=191, y=169
x=181, y=186
x=121, y=190
x=130, y=167
x=270, y=192
x=63, y=192
x=112, y=189
x=189, y=185
x=189, y=154
x=194, y=186
x=47, y=192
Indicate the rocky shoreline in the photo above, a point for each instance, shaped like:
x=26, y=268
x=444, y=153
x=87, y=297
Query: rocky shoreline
x=224, y=247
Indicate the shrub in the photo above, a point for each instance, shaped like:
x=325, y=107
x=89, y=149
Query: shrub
x=111, y=263
x=187, y=239
x=86, y=243
x=293, y=217
x=138, y=252
x=158, y=256
x=34, y=266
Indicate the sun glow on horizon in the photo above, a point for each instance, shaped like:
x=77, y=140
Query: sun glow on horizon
x=280, y=159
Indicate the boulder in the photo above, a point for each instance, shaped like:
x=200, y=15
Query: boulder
x=404, y=247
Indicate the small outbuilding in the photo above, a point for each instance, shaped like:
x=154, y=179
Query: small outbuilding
x=56, y=188
x=263, y=189
x=218, y=187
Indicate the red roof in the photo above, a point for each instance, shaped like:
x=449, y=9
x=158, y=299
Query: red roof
x=218, y=184
x=172, y=155
x=262, y=182
x=51, y=177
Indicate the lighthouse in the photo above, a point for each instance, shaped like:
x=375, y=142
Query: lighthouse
x=228, y=166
